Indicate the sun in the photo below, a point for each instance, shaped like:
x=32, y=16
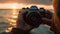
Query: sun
x=15, y=5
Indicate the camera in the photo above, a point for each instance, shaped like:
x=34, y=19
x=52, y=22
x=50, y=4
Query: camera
x=33, y=16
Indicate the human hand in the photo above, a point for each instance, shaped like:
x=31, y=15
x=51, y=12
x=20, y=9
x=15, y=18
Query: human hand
x=21, y=24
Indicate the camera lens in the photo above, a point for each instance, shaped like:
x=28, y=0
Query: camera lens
x=33, y=18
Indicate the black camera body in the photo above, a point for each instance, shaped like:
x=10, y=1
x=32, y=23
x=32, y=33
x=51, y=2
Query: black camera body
x=33, y=16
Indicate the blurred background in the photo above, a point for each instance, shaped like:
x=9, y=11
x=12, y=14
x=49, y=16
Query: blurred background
x=9, y=10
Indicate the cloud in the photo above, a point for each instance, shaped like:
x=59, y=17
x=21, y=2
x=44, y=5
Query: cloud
x=45, y=2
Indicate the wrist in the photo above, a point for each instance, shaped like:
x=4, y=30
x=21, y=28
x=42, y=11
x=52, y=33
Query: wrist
x=18, y=31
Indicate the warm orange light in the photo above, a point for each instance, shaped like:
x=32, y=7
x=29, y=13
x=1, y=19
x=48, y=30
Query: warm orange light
x=14, y=16
x=14, y=5
x=11, y=20
x=17, y=6
x=21, y=5
x=11, y=5
x=9, y=29
x=14, y=13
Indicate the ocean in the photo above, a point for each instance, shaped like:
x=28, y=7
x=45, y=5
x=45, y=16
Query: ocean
x=8, y=19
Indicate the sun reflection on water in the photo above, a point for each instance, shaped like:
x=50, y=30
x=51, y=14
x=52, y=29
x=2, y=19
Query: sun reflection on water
x=12, y=20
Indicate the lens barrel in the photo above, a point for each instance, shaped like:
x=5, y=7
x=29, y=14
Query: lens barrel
x=33, y=18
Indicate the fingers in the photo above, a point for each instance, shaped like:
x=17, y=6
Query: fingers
x=19, y=21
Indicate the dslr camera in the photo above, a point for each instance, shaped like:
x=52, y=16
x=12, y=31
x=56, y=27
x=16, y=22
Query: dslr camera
x=33, y=16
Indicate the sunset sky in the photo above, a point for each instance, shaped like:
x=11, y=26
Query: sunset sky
x=18, y=4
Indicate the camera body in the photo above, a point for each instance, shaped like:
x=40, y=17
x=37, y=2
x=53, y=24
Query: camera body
x=33, y=16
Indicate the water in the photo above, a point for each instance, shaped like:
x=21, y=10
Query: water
x=7, y=19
